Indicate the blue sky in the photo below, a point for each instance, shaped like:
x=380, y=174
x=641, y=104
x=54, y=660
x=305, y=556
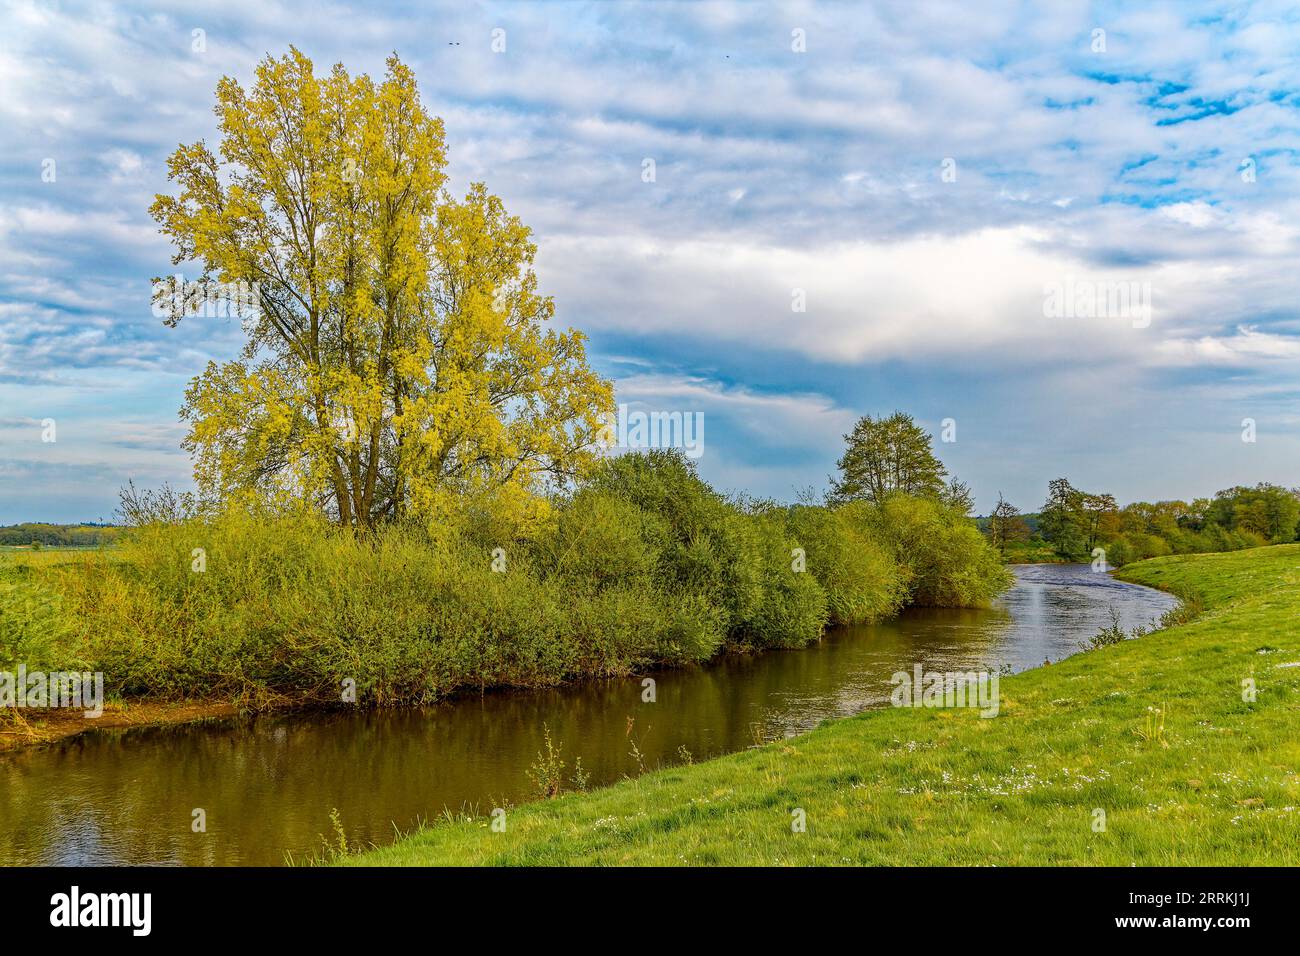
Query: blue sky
x=776, y=170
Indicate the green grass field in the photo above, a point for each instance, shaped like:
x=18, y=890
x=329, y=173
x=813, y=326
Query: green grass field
x=1153, y=732
x=44, y=556
x=1032, y=552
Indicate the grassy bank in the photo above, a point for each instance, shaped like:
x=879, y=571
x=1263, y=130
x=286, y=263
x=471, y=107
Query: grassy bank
x=1036, y=551
x=1153, y=732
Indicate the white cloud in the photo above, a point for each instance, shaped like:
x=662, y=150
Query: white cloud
x=776, y=171
x=971, y=298
x=790, y=419
x=1198, y=215
x=1246, y=348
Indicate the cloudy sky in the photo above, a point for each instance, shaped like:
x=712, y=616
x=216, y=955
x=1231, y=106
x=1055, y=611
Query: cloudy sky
x=921, y=176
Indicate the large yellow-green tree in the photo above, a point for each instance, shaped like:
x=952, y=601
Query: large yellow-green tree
x=399, y=358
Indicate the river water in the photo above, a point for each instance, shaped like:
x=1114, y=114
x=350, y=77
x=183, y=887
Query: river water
x=267, y=785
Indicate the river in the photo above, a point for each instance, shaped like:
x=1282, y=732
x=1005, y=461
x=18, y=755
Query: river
x=267, y=785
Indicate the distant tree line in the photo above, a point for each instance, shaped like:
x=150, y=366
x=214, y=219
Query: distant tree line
x=57, y=535
x=1074, y=522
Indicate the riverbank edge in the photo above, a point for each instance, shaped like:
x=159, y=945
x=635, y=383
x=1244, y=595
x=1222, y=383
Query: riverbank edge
x=559, y=831
x=24, y=729
x=29, y=728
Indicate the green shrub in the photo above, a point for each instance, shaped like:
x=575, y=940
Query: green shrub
x=706, y=546
x=861, y=579
x=602, y=539
x=946, y=562
x=645, y=566
x=790, y=606
x=287, y=606
x=33, y=631
x=1136, y=546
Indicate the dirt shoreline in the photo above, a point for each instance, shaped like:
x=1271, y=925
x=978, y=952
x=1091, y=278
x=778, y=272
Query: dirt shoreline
x=34, y=728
